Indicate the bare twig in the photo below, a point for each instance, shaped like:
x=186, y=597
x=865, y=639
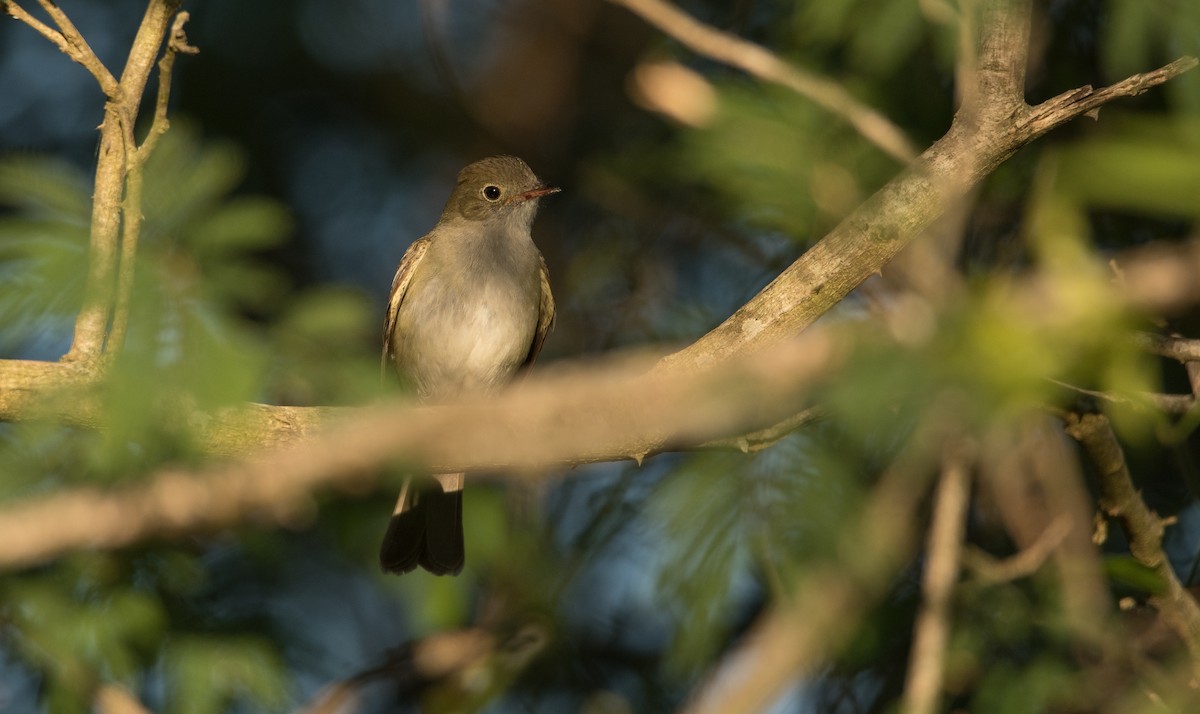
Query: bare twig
x=131, y=207
x=1172, y=404
x=1033, y=477
x=177, y=42
x=120, y=114
x=927, y=664
x=1068, y=105
x=68, y=40
x=762, y=63
x=1025, y=563
x=1144, y=527
x=1176, y=347
x=763, y=438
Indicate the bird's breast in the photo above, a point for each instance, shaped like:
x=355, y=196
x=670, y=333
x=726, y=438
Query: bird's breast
x=463, y=336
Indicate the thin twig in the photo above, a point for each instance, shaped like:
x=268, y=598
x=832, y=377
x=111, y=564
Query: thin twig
x=926, y=667
x=988, y=570
x=1068, y=105
x=762, y=63
x=1176, y=347
x=1172, y=404
x=1144, y=528
x=68, y=40
x=765, y=438
x=176, y=43
x=131, y=207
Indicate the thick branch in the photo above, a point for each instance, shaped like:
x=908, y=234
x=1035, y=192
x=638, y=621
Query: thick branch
x=589, y=414
x=888, y=221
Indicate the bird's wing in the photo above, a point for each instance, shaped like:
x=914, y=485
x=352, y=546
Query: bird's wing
x=545, y=315
x=408, y=265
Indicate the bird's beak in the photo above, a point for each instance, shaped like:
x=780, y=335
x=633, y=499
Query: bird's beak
x=534, y=193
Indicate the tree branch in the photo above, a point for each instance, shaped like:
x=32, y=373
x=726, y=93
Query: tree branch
x=1068, y=105
x=1175, y=347
x=1145, y=529
x=760, y=62
x=131, y=208
x=942, y=561
x=979, y=140
x=560, y=416
x=120, y=115
x=68, y=40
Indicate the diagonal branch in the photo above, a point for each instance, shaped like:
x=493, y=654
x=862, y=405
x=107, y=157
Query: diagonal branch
x=589, y=414
x=979, y=140
x=1068, y=105
x=1121, y=500
x=67, y=39
x=762, y=63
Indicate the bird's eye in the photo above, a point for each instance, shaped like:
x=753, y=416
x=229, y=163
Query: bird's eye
x=491, y=193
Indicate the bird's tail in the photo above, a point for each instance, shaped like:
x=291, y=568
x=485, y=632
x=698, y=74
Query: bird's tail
x=426, y=528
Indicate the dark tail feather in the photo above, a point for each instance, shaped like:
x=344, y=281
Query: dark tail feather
x=427, y=531
x=443, y=553
x=404, y=541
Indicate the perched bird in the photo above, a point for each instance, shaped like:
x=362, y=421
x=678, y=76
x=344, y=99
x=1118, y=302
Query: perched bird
x=470, y=306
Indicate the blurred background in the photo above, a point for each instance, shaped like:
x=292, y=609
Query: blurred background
x=311, y=142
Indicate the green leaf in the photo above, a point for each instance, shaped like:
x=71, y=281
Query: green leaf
x=1128, y=571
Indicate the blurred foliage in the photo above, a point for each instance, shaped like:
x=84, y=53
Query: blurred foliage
x=43, y=246
x=1140, y=34
x=781, y=163
x=210, y=673
x=274, y=216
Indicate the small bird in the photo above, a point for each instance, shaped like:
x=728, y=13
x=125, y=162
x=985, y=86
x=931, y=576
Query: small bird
x=470, y=306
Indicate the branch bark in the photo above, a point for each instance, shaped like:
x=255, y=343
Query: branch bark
x=562, y=416
x=923, y=687
x=116, y=151
x=1120, y=500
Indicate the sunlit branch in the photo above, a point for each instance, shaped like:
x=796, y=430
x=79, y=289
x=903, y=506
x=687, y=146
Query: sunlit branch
x=67, y=39
x=590, y=413
x=131, y=209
